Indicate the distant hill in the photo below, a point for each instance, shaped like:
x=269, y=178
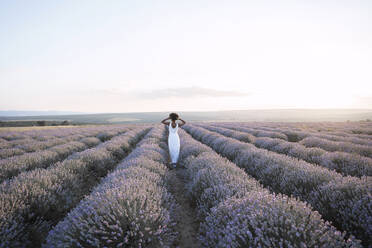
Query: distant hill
x=283, y=115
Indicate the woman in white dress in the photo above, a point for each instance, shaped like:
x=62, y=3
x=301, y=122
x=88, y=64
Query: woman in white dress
x=173, y=138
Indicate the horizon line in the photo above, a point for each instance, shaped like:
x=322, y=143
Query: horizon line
x=186, y=111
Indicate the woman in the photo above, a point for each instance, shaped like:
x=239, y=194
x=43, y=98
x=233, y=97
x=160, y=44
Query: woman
x=173, y=138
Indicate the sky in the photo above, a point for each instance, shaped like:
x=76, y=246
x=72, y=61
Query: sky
x=144, y=56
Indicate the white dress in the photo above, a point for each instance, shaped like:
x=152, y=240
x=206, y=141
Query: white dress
x=173, y=143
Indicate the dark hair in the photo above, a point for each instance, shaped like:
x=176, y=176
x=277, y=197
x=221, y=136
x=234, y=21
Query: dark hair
x=173, y=116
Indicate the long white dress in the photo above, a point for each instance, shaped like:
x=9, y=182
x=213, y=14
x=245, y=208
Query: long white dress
x=173, y=143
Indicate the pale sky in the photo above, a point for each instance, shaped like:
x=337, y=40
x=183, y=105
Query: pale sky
x=144, y=56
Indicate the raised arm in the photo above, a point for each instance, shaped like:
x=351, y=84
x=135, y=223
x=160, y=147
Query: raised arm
x=183, y=122
x=165, y=122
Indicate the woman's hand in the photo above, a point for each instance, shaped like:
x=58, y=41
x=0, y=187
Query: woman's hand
x=183, y=122
x=166, y=123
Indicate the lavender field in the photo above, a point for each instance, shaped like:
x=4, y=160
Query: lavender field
x=238, y=184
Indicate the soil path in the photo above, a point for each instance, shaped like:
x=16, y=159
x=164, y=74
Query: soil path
x=188, y=224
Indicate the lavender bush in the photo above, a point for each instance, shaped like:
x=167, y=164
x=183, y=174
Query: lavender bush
x=341, y=129
x=235, y=211
x=258, y=133
x=337, y=146
x=41, y=141
x=130, y=208
x=260, y=219
x=332, y=199
x=41, y=159
x=289, y=176
x=4, y=144
x=90, y=141
x=33, y=201
x=296, y=136
x=344, y=163
x=13, y=166
x=10, y=152
x=35, y=140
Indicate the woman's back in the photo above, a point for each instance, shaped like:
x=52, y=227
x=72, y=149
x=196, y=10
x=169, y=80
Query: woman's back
x=173, y=129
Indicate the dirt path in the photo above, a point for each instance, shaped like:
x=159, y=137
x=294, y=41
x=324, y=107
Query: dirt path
x=188, y=224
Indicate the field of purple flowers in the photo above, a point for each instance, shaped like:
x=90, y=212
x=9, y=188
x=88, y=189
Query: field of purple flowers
x=260, y=184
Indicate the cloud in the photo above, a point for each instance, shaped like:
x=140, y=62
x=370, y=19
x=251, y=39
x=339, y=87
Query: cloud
x=189, y=92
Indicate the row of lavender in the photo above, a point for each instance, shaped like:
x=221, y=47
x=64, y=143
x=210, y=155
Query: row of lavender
x=346, y=201
x=350, y=129
x=34, y=201
x=236, y=211
x=297, y=134
x=342, y=162
x=357, y=129
x=54, y=137
x=130, y=208
x=38, y=135
x=52, y=133
x=20, y=147
x=308, y=141
x=332, y=141
x=12, y=166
